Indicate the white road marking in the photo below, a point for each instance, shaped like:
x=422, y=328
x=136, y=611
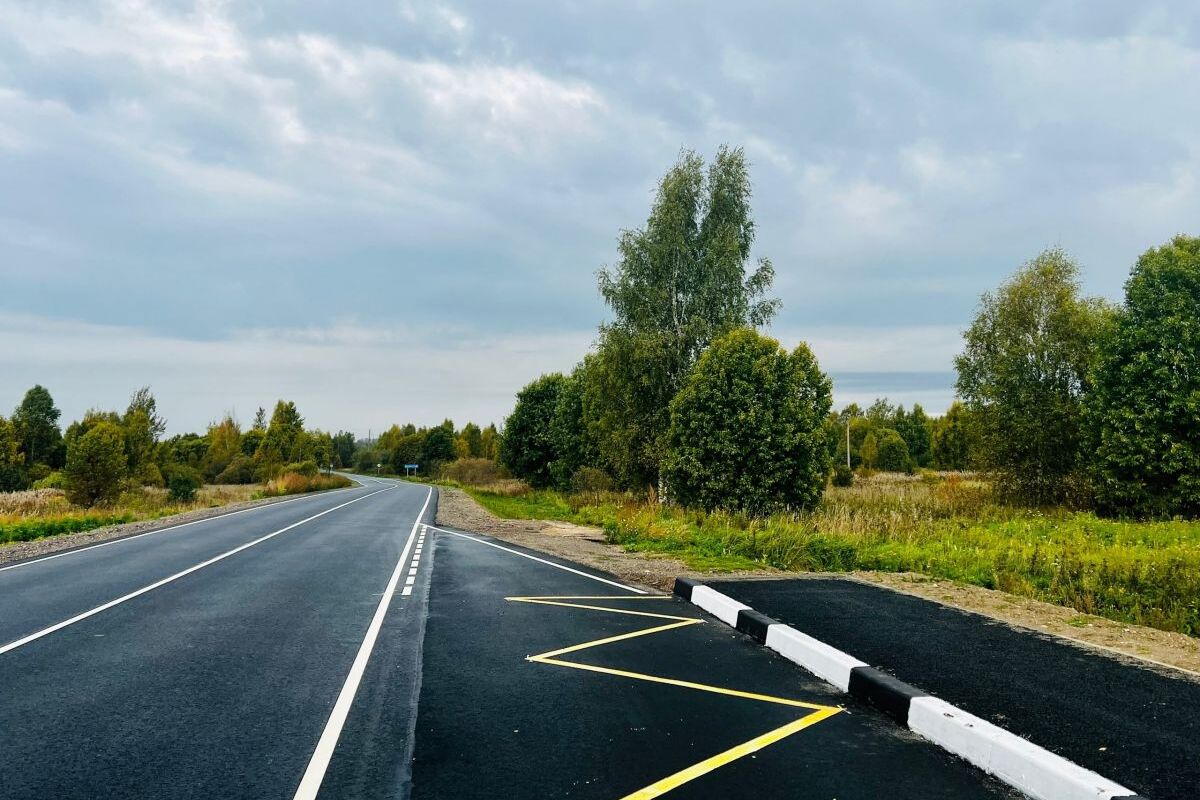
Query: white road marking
x=409, y=581
x=542, y=561
x=111, y=603
x=412, y=571
x=407, y=591
x=162, y=530
x=310, y=784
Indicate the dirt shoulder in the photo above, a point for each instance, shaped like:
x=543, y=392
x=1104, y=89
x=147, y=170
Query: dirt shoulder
x=587, y=546
x=20, y=551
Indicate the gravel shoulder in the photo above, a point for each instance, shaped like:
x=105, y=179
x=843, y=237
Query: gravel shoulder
x=587, y=546
x=21, y=551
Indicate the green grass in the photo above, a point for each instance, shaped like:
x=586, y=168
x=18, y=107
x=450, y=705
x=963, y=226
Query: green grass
x=1141, y=572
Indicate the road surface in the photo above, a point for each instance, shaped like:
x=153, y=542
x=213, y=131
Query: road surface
x=339, y=646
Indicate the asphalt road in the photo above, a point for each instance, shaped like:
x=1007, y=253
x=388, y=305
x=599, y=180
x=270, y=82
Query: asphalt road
x=334, y=647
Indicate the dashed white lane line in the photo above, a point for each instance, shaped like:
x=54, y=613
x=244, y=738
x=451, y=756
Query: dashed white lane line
x=310, y=784
x=409, y=581
x=104, y=607
x=407, y=591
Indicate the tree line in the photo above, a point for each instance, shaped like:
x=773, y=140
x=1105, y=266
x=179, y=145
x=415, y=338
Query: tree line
x=1060, y=398
x=105, y=452
x=428, y=448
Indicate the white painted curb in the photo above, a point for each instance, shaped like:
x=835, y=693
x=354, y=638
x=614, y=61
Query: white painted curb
x=1032, y=770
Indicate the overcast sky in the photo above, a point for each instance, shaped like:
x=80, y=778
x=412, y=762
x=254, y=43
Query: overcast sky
x=393, y=211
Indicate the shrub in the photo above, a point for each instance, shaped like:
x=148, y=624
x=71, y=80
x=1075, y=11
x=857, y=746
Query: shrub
x=746, y=429
x=96, y=465
x=240, y=470
x=843, y=476
x=306, y=468
x=294, y=483
x=55, y=480
x=590, y=479
x=474, y=471
x=182, y=483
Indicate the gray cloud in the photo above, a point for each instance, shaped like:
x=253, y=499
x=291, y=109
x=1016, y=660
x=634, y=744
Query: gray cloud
x=460, y=170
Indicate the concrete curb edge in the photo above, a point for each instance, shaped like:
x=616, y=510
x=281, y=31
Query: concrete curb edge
x=1030, y=769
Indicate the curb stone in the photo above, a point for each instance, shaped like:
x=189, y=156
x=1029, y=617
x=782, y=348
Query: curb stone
x=1030, y=769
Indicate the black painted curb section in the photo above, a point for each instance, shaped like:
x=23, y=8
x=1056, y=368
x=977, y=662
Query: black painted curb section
x=683, y=587
x=755, y=624
x=887, y=693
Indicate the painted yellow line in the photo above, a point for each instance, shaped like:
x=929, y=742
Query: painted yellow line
x=598, y=642
x=602, y=608
x=702, y=687
x=732, y=754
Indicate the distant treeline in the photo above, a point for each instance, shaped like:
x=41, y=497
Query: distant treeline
x=428, y=448
x=106, y=451
x=1062, y=398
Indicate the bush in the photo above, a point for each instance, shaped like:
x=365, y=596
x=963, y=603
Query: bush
x=96, y=466
x=474, y=471
x=240, y=470
x=55, y=480
x=746, y=429
x=294, y=483
x=306, y=468
x=182, y=483
x=843, y=476
x=590, y=479
x=149, y=475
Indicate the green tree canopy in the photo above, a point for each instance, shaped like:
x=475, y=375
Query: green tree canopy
x=915, y=428
x=96, y=465
x=953, y=439
x=680, y=282
x=36, y=422
x=284, y=440
x=12, y=460
x=437, y=448
x=1144, y=409
x=746, y=429
x=343, y=448
x=573, y=445
x=528, y=447
x=1023, y=374
x=891, y=451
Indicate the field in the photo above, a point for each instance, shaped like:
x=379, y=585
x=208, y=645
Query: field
x=38, y=513
x=946, y=526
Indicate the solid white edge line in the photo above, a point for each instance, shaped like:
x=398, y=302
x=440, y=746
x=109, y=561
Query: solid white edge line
x=542, y=561
x=157, y=584
x=314, y=774
x=170, y=528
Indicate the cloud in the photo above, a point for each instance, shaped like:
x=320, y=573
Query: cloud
x=203, y=172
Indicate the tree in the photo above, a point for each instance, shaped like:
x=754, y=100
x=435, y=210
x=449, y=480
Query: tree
x=343, y=448
x=224, y=445
x=868, y=452
x=489, y=443
x=915, y=428
x=472, y=440
x=1023, y=374
x=573, y=446
x=437, y=448
x=284, y=439
x=891, y=452
x=953, y=439
x=36, y=422
x=12, y=460
x=260, y=420
x=1143, y=413
x=143, y=427
x=96, y=465
x=680, y=282
x=746, y=428
x=528, y=446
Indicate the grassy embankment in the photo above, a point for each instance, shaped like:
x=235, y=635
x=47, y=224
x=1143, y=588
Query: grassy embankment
x=39, y=513
x=947, y=527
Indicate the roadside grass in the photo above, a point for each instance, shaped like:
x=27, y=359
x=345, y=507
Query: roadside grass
x=38, y=513
x=949, y=527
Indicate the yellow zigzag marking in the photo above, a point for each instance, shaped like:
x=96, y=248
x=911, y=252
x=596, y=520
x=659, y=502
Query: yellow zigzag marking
x=816, y=713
